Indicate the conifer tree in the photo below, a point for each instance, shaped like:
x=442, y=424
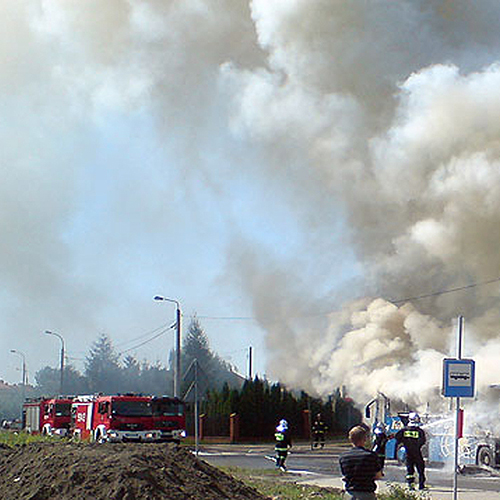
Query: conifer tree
x=102, y=367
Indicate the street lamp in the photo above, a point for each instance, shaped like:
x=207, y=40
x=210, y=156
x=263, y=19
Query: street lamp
x=14, y=351
x=61, y=383
x=177, y=371
x=23, y=393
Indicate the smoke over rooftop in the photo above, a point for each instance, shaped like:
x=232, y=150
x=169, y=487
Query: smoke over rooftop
x=366, y=133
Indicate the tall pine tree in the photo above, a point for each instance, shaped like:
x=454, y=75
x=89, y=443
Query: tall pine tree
x=102, y=367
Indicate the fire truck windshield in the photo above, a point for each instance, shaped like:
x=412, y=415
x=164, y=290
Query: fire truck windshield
x=167, y=408
x=63, y=410
x=131, y=408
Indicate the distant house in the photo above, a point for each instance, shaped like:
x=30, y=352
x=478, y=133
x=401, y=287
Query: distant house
x=4, y=386
x=236, y=379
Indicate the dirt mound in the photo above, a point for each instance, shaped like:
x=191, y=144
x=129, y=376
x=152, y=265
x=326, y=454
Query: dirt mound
x=118, y=471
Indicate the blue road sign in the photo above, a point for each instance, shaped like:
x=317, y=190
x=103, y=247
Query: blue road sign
x=458, y=378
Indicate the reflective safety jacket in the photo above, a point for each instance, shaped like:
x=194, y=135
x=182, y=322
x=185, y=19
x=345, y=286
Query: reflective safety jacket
x=412, y=438
x=319, y=427
x=282, y=441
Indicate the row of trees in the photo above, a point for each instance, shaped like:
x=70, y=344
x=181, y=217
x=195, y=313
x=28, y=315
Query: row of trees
x=106, y=372
x=261, y=404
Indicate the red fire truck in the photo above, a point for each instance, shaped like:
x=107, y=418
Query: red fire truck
x=114, y=418
x=169, y=418
x=51, y=417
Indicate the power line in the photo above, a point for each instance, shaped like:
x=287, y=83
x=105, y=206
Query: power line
x=230, y=353
x=397, y=301
x=232, y=318
x=442, y=292
x=135, y=339
x=145, y=342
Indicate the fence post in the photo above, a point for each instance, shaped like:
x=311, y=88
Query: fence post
x=234, y=428
x=306, y=422
x=201, y=426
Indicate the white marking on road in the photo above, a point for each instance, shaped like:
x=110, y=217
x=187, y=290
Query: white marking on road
x=305, y=472
x=221, y=453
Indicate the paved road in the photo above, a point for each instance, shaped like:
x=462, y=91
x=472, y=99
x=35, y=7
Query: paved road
x=321, y=467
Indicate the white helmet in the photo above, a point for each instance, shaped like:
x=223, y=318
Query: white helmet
x=413, y=418
x=284, y=424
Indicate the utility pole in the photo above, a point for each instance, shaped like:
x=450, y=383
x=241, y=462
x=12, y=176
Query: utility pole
x=194, y=385
x=196, y=417
x=61, y=381
x=177, y=386
x=250, y=363
x=23, y=386
x=178, y=329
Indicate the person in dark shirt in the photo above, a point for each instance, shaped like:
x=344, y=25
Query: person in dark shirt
x=380, y=442
x=412, y=437
x=360, y=467
x=282, y=444
x=318, y=430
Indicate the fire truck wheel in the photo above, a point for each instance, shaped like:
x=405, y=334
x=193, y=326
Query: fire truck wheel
x=485, y=457
x=46, y=430
x=99, y=438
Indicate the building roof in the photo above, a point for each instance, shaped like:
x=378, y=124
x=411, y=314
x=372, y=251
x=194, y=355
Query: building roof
x=5, y=386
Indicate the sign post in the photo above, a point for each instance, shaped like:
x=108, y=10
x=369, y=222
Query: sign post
x=458, y=382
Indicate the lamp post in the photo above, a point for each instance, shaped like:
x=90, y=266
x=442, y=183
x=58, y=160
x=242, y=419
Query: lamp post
x=61, y=383
x=177, y=371
x=23, y=387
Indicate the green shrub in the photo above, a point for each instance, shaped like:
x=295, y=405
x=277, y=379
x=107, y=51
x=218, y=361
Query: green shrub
x=397, y=492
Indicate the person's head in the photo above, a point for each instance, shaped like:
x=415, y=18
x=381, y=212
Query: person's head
x=358, y=435
x=283, y=426
x=318, y=416
x=414, y=418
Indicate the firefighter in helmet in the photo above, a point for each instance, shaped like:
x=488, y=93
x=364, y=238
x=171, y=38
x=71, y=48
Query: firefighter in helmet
x=380, y=439
x=412, y=437
x=282, y=444
x=318, y=431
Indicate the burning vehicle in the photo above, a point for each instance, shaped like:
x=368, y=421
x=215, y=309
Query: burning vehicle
x=477, y=446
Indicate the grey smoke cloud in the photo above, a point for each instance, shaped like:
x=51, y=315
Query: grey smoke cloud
x=365, y=134
x=404, y=138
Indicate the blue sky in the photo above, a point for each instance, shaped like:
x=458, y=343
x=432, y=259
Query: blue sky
x=138, y=222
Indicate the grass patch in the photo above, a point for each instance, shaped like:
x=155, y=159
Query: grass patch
x=10, y=438
x=279, y=487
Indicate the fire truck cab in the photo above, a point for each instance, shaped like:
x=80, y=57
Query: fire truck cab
x=169, y=418
x=51, y=417
x=114, y=418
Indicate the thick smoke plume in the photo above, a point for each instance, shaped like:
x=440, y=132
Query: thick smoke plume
x=368, y=132
x=390, y=111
